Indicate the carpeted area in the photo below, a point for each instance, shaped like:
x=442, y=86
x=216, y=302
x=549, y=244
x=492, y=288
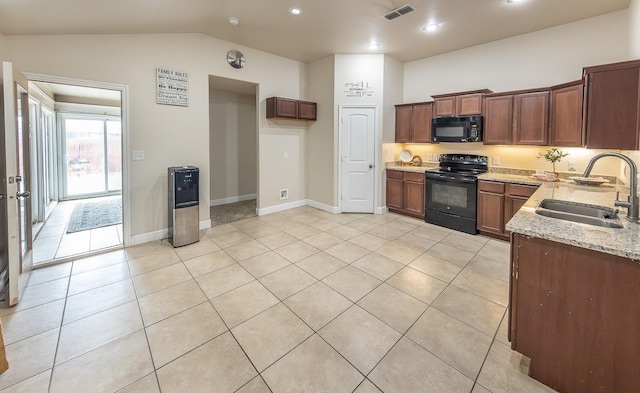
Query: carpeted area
x=91, y=215
x=231, y=212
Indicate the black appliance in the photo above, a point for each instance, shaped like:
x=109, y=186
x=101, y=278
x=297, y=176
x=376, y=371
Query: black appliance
x=452, y=192
x=457, y=129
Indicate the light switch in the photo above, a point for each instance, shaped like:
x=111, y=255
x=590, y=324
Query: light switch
x=286, y=154
x=138, y=155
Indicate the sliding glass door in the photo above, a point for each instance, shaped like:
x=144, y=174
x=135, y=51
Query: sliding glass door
x=92, y=157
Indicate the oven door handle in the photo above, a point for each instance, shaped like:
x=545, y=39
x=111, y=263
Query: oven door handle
x=450, y=178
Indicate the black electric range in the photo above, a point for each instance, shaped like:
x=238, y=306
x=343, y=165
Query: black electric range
x=451, y=191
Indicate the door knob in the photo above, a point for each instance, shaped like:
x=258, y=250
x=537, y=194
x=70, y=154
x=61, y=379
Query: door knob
x=2, y=196
x=370, y=165
x=23, y=195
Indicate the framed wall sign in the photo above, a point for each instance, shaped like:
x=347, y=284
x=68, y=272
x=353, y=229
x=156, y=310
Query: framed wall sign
x=172, y=87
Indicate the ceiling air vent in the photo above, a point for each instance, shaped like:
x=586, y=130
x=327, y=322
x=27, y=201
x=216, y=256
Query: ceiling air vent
x=398, y=12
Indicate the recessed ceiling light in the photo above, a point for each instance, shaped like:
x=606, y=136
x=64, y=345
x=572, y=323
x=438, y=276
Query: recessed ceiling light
x=295, y=11
x=431, y=27
x=373, y=45
x=515, y=1
x=233, y=20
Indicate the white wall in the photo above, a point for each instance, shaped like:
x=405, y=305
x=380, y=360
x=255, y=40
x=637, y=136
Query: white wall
x=321, y=158
x=538, y=59
x=233, y=146
x=393, y=93
x=370, y=70
x=1, y=48
x=172, y=135
x=634, y=31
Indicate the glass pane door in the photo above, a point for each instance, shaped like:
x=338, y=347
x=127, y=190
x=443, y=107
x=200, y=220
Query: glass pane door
x=114, y=155
x=93, y=156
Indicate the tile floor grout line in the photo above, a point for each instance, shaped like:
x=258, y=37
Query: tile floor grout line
x=64, y=309
x=316, y=280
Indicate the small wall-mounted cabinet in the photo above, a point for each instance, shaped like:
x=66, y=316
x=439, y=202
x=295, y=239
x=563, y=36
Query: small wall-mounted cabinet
x=286, y=108
x=468, y=103
x=413, y=123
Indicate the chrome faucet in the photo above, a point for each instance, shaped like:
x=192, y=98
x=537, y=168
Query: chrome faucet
x=632, y=201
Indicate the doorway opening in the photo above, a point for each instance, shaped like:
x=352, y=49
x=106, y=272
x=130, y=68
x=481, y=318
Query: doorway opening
x=233, y=156
x=77, y=169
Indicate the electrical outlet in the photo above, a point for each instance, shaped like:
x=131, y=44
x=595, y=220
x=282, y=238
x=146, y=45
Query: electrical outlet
x=572, y=165
x=495, y=161
x=284, y=194
x=137, y=155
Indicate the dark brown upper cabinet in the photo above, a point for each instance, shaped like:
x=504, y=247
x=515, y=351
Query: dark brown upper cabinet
x=307, y=110
x=565, y=114
x=467, y=103
x=612, y=106
x=531, y=118
x=517, y=118
x=413, y=122
x=286, y=108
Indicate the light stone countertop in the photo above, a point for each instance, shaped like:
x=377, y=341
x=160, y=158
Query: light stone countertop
x=398, y=166
x=509, y=178
x=624, y=242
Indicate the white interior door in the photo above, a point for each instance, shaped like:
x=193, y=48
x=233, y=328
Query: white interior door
x=357, y=157
x=16, y=238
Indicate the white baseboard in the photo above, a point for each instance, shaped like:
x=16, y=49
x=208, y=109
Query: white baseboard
x=282, y=207
x=161, y=234
x=322, y=206
x=224, y=201
x=147, y=237
x=205, y=224
x=381, y=210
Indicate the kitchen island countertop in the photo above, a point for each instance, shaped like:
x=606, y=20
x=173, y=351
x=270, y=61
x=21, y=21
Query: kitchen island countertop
x=624, y=242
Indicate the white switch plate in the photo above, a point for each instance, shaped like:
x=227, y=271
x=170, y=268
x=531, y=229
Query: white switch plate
x=137, y=155
x=495, y=160
x=286, y=154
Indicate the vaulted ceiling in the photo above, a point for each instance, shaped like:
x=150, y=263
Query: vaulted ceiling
x=324, y=27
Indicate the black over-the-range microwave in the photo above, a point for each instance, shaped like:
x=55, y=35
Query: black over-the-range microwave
x=457, y=129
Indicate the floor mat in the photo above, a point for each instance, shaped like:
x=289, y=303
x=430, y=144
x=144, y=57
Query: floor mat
x=90, y=215
x=231, y=212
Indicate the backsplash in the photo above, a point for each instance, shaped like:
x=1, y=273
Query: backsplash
x=561, y=175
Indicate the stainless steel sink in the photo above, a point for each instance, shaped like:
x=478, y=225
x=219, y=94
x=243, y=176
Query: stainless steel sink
x=577, y=212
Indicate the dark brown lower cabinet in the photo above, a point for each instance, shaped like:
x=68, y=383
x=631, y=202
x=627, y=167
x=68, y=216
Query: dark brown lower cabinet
x=405, y=193
x=576, y=314
x=497, y=203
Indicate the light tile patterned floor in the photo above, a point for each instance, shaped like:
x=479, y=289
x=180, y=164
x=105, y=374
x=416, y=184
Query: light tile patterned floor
x=297, y=301
x=53, y=242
